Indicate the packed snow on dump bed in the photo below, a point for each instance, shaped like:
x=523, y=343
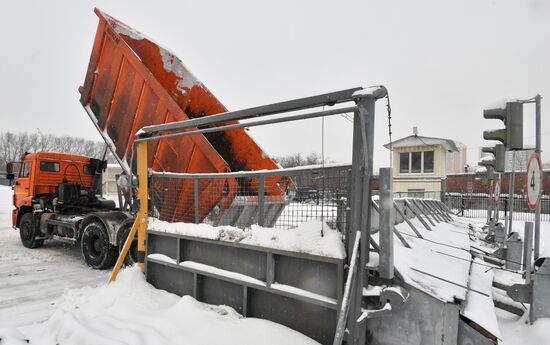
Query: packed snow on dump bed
x=313, y=237
x=130, y=311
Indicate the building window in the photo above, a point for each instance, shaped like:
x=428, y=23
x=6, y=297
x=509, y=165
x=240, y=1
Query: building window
x=428, y=161
x=416, y=162
x=415, y=193
x=404, y=162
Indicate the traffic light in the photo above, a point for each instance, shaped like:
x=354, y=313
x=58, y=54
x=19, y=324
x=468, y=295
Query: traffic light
x=500, y=156
x=486, y=173
x=512, y=133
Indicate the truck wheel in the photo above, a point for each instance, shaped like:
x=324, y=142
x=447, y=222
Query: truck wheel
x=97, y=251
x=131, y=257
x=27, y=232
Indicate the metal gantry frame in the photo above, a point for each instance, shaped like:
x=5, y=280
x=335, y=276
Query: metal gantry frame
x=357, y=233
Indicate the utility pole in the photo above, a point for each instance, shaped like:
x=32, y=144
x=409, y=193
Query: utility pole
x=538, y=151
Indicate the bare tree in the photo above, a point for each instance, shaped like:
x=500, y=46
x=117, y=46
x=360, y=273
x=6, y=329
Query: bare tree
x=298, y=159
x=14, y=145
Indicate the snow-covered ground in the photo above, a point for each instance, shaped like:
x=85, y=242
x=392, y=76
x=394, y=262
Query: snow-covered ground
x=33, y=280
x=49, y=296
x=130, y=311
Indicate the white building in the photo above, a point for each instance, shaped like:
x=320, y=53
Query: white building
x=420, y=164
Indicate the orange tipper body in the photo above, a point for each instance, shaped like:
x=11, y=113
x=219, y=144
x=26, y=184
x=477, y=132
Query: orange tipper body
x=132, y=82
x=41, y=173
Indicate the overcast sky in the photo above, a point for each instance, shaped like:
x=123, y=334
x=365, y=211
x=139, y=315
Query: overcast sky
x=442, y=62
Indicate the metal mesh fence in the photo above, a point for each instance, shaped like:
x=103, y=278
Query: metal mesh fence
x=283, y=198
x=422, y=194
x=475, y=205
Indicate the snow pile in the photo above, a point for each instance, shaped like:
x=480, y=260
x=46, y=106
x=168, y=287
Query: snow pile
x=443, y=253
x=306, y=238
x=516, y=331
x=130, y=311
x=501, y=103
x=6, y=206
x=479, y=304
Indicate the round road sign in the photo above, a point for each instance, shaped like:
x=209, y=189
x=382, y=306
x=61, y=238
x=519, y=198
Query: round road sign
x=533, y=181
x=497, y=190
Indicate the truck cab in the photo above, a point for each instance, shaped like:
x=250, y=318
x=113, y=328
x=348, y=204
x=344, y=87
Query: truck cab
x=58, y=196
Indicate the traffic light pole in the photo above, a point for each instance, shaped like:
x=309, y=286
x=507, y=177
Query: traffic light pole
x=511, y=193
x=538, y=150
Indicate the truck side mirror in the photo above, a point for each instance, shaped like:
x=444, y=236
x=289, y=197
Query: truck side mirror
x=9, y=172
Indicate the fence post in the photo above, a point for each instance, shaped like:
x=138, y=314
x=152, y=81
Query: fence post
x=527, y=251
x=386, y=224
x=261, y=199
x=196, y=198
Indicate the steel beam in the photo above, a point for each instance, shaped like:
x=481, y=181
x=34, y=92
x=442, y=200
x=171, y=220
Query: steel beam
x=417, y=214
x=276, y=172
x=386, y=224
x=327, y=99
x=395, y=231
x=407, y=220
x=247, y=124
x=430, y=210
x=423, y=211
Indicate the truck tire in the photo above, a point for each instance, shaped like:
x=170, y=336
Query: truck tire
x=98, y=253
x=131, y=257
x=27, y=232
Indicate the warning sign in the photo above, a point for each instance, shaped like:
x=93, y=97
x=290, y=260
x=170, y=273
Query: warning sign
x=533, y=181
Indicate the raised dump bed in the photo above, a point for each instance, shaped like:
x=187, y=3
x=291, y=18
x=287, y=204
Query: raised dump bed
x=132, y=82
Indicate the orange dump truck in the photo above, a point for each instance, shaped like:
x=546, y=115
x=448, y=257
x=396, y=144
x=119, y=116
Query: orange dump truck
x=132, y=82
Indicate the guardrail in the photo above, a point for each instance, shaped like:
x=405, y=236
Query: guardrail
x=475, y=205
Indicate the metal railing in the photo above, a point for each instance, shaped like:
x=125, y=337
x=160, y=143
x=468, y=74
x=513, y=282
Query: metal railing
x=421, y=194
x=475, y=205
x=282, y=198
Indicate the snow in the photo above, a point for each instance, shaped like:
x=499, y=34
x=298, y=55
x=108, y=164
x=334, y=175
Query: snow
x=162, y=257
x=220, y=272
x=507, y=278
x=500, y=103
x=130, y=311
x=515, y=330
x=481, y=170
x=30, y=279
x=376, y=91
x=81, y=309
x=306, y=238
x=301, y=292
x=444, y=253
x=480, y=308
x=373, y=290
x=241, y=173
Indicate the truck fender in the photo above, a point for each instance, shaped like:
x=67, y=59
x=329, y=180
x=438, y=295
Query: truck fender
x=128, y=222
x=19, y=213
x=112, y=220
